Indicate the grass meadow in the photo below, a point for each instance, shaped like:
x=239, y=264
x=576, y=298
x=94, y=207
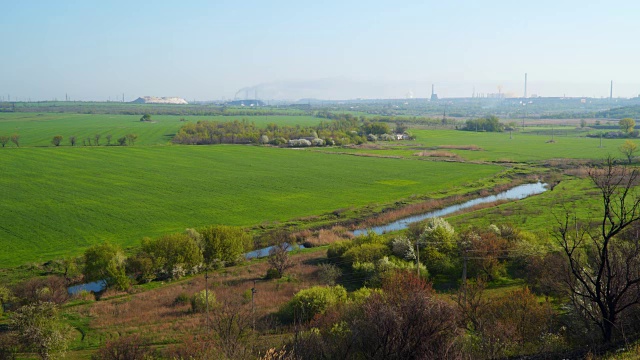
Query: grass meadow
x=38, y=129
x=497, y=147
x=58, y=201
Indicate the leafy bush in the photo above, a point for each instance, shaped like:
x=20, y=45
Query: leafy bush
x=299, y=143
x=337, y=249
x=403, y=248
x=308, y=303
x=181, y=299
x=199, y=301
x=366, y=253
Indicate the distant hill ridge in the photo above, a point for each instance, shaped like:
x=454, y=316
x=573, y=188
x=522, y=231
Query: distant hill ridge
x=160, y=100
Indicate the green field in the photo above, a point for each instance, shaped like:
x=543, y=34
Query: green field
x=57, y=201
x=539, y=213
x=37, y=129
x=527, y=147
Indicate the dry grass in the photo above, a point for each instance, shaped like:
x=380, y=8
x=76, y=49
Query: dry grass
x=327, y=236
x=155, y=313
x=438, y=154
x=461, y=147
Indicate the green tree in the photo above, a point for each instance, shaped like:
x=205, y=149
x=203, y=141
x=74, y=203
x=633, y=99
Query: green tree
x=627, y=125
x=173, y=255
x=106, y=262
x=628, y=149
x=41, y=330
x=5, y=297
x=57, y=140
x=145, y=117
x=4, y=140
x=131, y=138
x=438, y=245
x=224, y=243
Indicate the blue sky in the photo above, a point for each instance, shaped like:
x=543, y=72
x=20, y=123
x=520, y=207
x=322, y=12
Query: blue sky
x=210, y=49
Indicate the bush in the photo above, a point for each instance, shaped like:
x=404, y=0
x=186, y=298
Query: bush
x=337, y=249
x=366, y=253
x=272, y=274
x=403, y=248
x=386, y=137
x=329, y=273
x=299, y=143
x=317, y=142
x=199, y=301
x=181, y=299
x=308, y=303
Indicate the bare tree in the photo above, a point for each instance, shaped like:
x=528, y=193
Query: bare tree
x=15, y=138
x=96, y=139
x=603, y=268
x=72, y=140
x=279, y=258
x=4, y=140
x=231, y=322
x=109, y=136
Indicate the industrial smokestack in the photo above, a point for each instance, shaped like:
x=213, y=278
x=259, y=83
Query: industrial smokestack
x=611, y=91
x=525, y=85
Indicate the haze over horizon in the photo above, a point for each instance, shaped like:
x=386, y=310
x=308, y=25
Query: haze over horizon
x=326, y=50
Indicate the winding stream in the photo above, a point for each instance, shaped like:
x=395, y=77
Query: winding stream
x=516, y=193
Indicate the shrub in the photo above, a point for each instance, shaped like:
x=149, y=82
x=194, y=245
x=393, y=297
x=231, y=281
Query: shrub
x=299, y=143
x=366, y=253
x=199, y=301
x=337, y=249
x=272, y=274
x=181, y=299
x=403, y=248
x=329, y=273
x=308, y=303
x=50, y=289
x=317, y=142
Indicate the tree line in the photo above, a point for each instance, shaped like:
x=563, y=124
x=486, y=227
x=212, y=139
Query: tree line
x=348, y=130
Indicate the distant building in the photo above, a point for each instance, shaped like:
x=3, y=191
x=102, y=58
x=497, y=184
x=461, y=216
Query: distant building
x=245, y=103
x=434, y=96
x=160, y=100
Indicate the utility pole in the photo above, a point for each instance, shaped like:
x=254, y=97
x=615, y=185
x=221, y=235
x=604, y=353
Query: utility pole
x=418, y=258
x=253, y=305
x=600, y=140
x=206, y=293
